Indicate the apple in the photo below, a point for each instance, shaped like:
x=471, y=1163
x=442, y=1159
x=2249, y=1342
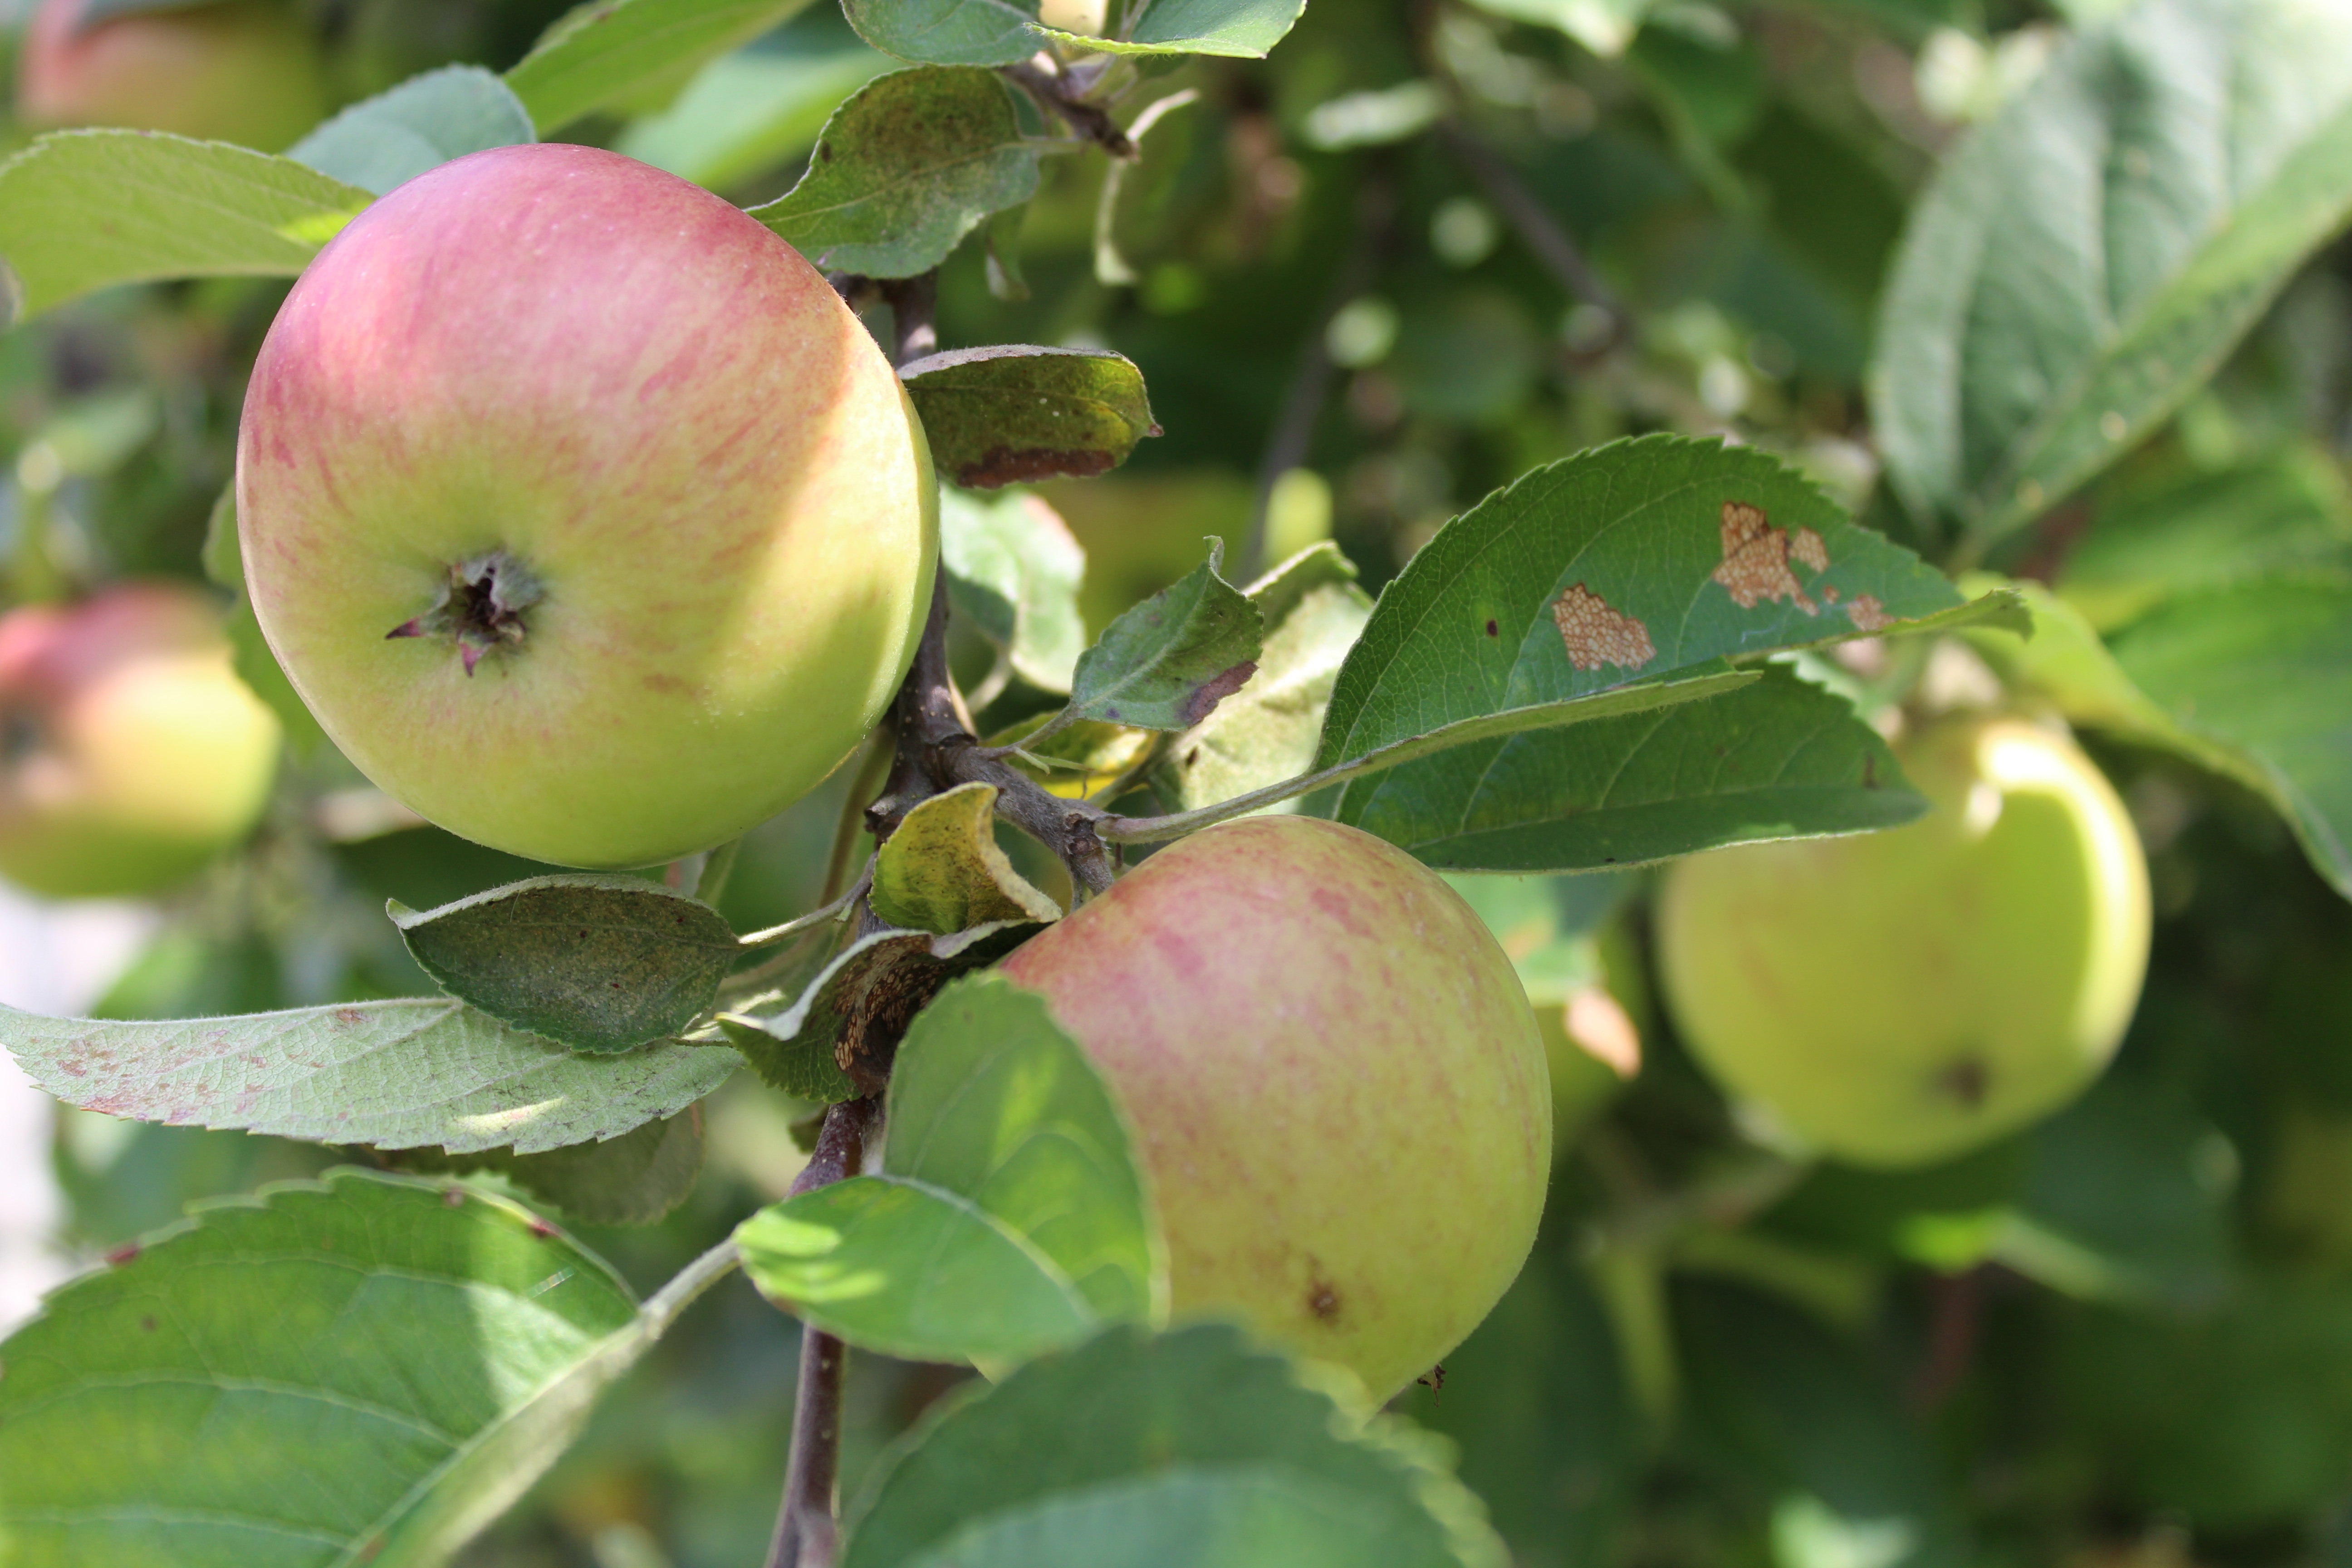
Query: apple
x=1898, y=998
x=129, y=754
x=585, y=517
x=246, y=71
x=1338, y=1088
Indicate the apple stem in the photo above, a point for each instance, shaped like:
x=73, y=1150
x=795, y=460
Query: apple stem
x=806, y=1533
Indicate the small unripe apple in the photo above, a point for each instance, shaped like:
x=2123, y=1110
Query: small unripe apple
x=1898, y=998
x=579, y=509
x=129, y=753
x=1337, y=1086
x=245, y=71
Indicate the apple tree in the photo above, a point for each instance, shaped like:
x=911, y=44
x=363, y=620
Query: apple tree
x=1414, y=782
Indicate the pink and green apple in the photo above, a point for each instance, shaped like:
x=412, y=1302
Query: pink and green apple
x=1339, y=1091
x=586, y=518
x=243, y=70
x=129, y=754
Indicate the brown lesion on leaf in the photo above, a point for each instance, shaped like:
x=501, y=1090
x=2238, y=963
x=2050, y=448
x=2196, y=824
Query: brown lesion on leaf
x=1002, y=466
x=1756, y=555
x=1204, y=697
x=1595, y=635
x=1967, y=1081
x=1867, y=613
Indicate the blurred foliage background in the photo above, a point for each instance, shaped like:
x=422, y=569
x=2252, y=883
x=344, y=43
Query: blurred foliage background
x=2123, y=1337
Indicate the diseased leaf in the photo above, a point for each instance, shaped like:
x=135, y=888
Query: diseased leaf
x=421, y=124
x=1312, y=613
x=636, y=52
x=941, y=870
x=1012, y=413
x=84, y=210
x=1779, y=759
x=881, y=981
x=364, y=1370
x=391, y=1075
x=1166, y=663
x=634, y=1179
x=598, y=964
x=1237, y=29
x=912, y=162
x=949, y=32
x=1189, y=1447
x=1013, y=571
x=2084, y=260
x=1624, y=563
x=1011, y=1215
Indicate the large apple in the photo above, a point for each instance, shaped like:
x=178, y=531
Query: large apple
x=586, y=518
x=1338, y=1086
x=246, y=71
x=1898, y=998
x=129, y=754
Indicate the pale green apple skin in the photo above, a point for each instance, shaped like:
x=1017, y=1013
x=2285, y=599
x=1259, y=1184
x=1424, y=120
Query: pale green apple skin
x=131, y=754
x=671, y=419
x=1898, y=998
x=246, y=71
x=1339, y=1088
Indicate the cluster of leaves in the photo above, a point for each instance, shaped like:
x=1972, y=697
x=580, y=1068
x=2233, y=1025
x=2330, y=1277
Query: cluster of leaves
x=2092, y=387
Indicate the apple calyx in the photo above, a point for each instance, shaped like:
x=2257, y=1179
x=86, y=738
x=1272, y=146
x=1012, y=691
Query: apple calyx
x=480, y=607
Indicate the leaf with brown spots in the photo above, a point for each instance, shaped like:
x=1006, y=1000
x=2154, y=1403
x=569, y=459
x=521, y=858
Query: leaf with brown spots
x=1595, y=635
x=1168, y=661
x=1014, y=413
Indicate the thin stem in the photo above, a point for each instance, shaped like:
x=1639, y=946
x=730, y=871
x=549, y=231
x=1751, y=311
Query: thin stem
x=752, y=981
x=806, y=1534
x=809, y=921
x=718, y=869
x=873, y=768
x=1057, y=94
x=662, y=1308
x=1535, y=226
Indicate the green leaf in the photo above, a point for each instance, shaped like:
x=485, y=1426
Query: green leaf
x=752, y=111
x=608, y=51
x=1166, y=663
x=1779, y=759
x=256, y=665
x=364, y=1370
x=1013, y=571
x=1237, y=29
x=1628, y=563
x=2264, y=668
x=2084, y=260
x=949, y=32
x=634, y=1179
x=1546, y=924
x=914, y=160
x=2202, y=660
x=942, y=872
x=888, y=977
x=421, y=124
x=1012, y=1216
x=1076, y=759
x=392, y=1074
x=2285, y=513
x=1002, y=414
x=1267, y=731
x=83, y=210
x=1604, y=26
x=598, y=964
x=1186, y=1450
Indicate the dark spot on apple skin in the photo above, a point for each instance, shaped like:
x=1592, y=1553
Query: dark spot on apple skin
x=1968, y=1080
x=1323, y=1299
